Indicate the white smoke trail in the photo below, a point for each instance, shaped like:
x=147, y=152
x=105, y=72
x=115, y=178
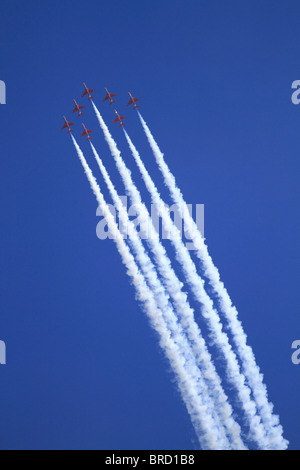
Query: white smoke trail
x=218, y=336
x=251, y=370
x=174, y=287
x=203, y=423
x=161, y=297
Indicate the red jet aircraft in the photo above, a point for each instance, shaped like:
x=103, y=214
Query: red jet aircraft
x=87, y=92
x=67, y=125
x=78, y=108
x=86, y=133
x=109, y=96
x=119, y=119
x=133, y=101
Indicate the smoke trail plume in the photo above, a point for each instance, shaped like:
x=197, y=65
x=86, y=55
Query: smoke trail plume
x=218, y=336
x=204, y=425
x=162, y=298
x=251, y=370
x=174, y=287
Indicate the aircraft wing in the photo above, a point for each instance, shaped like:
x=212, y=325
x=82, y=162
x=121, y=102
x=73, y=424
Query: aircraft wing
x=83, y=134
x=64, y=126
x=116, y=120
x=106, y=98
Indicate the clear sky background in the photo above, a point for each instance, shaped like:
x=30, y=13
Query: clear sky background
x=84, y=369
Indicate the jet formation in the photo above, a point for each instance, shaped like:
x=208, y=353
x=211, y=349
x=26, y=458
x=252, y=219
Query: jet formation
x=109, y=97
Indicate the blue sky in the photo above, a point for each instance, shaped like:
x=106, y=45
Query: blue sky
x=84, y=368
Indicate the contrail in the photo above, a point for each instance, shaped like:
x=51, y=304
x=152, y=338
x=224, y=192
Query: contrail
x=216, y=333
x=203, y=423
x=174, y=287
x=251, y=370
x=161, y=296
